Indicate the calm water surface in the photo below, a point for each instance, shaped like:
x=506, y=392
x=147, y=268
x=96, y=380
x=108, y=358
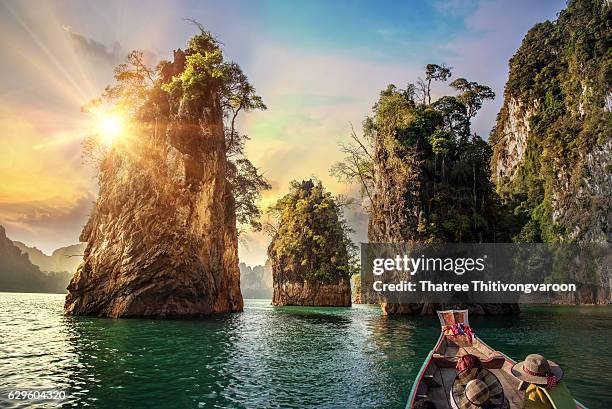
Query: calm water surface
x=271, y=356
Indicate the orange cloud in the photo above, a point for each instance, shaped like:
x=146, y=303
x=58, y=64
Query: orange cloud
x=45, y=190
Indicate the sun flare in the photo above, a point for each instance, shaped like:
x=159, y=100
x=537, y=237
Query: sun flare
x=110, y=127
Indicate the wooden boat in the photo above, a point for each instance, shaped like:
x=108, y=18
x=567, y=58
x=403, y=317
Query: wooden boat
x=435, y=378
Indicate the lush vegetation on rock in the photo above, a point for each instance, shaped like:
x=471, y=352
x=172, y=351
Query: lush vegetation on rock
x=426, y=175
x=153, y=97
x=310, y=239
x=562, y=75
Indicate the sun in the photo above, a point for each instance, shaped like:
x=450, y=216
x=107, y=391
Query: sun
x=110, y=127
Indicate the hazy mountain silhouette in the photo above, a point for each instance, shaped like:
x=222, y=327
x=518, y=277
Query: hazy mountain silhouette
x=18, y=274
x=64, y=259
x=256, y=282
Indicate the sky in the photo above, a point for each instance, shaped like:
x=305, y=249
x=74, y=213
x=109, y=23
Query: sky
x=319, y=66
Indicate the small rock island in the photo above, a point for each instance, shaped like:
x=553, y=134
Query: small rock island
x=311, y=253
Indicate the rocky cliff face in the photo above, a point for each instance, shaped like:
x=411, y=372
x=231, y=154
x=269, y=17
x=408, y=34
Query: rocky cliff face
x=310, y=252
x=510, y=153
x=256, y=282
x=359, y=296
x=552, y=144
x=552, y=147
x=310, y=292
x=396, y=208
x=162, y=240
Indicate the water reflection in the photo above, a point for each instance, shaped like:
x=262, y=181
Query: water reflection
x=130, y=362
x=271, y=357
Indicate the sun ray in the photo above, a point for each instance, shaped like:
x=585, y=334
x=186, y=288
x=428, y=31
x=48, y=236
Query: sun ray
x=48, y=53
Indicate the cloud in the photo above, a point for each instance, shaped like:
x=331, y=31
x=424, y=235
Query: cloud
x=93, y=49
x=112, y=54
x=48, y=224
x=45, y=190
x=48, y=216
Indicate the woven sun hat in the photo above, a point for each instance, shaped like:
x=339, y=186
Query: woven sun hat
x=477, y=388
x=538, y=370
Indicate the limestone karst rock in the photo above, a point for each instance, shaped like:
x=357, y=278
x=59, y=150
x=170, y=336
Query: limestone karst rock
x=310, y=251
x=552, y=144
x=162, y=238
x=63, y=259
x=430, y=178
x=256, y=281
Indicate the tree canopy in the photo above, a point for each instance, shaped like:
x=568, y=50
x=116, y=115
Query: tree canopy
x=432, y=144
x=311, y=237
x=144, y=94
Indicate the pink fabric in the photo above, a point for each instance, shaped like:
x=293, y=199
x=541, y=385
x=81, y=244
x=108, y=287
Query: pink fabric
x=459, y=329
x=551, y=380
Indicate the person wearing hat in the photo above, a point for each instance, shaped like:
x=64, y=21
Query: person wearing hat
x=546, y=391
x=477, y=388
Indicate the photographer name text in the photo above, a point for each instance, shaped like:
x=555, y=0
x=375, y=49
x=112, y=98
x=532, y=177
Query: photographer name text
x=479, y=286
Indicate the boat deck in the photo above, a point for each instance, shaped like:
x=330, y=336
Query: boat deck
x=435, y=379
x=438, y=376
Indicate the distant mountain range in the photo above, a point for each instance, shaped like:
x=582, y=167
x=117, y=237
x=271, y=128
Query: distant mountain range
x=64, y=259
x=27, y=269
x=256, y=282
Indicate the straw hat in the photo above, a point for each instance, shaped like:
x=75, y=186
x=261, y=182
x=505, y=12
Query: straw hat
x=538, y=370
x=477, y=387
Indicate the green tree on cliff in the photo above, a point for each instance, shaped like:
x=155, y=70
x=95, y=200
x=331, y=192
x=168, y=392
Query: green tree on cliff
x=441, y=167
x=310, y=236
x=144, y=93
x=562, y=76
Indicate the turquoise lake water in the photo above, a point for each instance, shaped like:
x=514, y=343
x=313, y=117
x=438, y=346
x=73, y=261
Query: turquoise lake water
x=272, y=357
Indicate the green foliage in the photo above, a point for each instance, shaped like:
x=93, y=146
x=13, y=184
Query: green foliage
x=200, y=70
x=446, y=168
x=563, y=72
x=195, y=78
x=437, y=72
x=433, y=72
x=422, y=157
x=247, y=186
x=311, y=239
x=472, y=94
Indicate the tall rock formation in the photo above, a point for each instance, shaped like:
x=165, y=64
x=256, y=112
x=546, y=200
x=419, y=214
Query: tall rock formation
x=162, y=239
x=256, y=282
x=552, y=144
x=310, y=252
x=430, y=178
